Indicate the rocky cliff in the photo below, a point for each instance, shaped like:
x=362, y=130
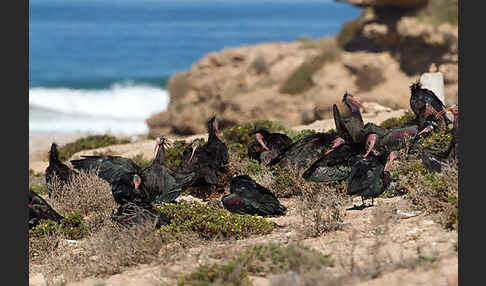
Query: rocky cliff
x=375, y=57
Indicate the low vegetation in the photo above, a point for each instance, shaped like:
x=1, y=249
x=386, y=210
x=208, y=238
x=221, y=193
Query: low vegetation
x=211, y=222
x=349, y=31
x=301, y=79
x=259, y=259
x=440, y=11
x=395, y=122
x=87, y=143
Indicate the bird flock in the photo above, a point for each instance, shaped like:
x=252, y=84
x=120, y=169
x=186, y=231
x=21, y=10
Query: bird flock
x=359, y=153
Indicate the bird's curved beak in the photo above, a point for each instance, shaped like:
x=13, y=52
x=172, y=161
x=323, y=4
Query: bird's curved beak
x=356, y=101
x=259, y=138
x=370, y=142
x=193, y=151
x=335, y=143
x=393, y=155
x=157, y=143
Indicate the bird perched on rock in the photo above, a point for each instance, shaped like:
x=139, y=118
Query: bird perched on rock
x=248, y=197
x=39, y=210
x=57, y=169
x=370, y=177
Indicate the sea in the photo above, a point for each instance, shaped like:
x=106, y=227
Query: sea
x=101, y=66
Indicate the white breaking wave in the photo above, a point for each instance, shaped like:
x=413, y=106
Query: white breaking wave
x=119, y=101
x=123, y=108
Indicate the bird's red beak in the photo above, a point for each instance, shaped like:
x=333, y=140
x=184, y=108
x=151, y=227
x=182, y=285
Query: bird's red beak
x=157, y=142
x=259, y=138
x=370, y=142
x=192, y=154
x=136, y=182
x=393, y=155
x=356, y=101
x=335, y=143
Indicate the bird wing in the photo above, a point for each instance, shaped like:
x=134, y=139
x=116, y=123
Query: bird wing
x=111, y=168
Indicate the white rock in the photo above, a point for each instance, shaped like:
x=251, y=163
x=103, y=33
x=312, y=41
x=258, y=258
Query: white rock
x=435, y=82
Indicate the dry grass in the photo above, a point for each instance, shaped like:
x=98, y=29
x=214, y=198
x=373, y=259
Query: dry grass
x=321, y=208
x=86, y=194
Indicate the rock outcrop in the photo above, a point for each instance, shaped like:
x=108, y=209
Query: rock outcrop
x=375, y=57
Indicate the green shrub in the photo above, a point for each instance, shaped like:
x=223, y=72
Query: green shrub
x=229, y=274
x=173, y=154
x=437, y=140
x=237, y=138
x=270, y=258
x=212, y=222
x=414, y=167
x=39, y=189
x=44, y=228
x=87, y=143
x=297, y=135
x=73, y=226
x=259, y=65
x=440, y=11
x=395, y=122
x=140, y=160
x=259, y=259
x=349, y=31
x=301, y=79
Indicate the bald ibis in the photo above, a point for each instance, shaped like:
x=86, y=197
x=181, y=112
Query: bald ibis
x=57, y=169
x=248, y=197
x=272, y=143
x=157, y=181
x=39, y=210
x=370, y=177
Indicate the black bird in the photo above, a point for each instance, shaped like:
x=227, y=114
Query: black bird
x=301, y=153
x=57, y=169
x=435, y=160
x=369, y=176
x=157, y=181
x=273, y=143
x=39, y=210
x=210, y=157
x=392, y=140
x=348, y=120
x=426, y=106
x=194, y=159
x=249, y=197
x=334, y=165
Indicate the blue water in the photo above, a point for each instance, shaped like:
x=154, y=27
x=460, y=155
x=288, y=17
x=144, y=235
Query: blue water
x=101, y=49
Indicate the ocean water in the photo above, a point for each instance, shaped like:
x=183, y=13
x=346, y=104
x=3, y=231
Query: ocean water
x=101, y=66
